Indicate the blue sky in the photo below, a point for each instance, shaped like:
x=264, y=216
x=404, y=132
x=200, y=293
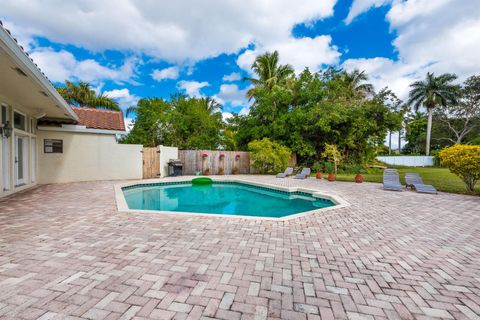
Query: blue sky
x=131, y=49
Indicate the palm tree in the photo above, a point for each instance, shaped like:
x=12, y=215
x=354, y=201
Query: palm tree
x=212, y=104
x=430, y=93
x=269, y=72
x=355, y=81
x=83, y=95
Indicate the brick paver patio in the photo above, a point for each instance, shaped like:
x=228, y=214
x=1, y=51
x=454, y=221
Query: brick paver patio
x=66, y=253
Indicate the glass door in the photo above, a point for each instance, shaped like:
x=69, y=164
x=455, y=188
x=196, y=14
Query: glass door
x=20, y=160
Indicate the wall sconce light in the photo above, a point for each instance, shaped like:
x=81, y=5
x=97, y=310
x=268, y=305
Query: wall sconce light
x=6, y=129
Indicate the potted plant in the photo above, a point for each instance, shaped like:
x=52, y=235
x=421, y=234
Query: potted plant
x=221, y=169
x=206, y=172
x=204, y=157
x=235, y=170
x=317, y=167
x=331, y=153
x=358, y=178
x=330, y=168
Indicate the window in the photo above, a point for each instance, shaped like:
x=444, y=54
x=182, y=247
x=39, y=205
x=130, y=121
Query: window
x=19, y=121
x=52, y=146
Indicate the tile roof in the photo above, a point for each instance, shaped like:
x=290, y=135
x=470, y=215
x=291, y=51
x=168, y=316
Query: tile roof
x=100, y=119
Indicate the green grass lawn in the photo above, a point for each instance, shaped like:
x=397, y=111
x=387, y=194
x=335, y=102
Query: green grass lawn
x=440, y=178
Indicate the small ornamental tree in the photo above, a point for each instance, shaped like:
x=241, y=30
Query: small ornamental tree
x=464, y=161
x=268, y=156
x=332, y=154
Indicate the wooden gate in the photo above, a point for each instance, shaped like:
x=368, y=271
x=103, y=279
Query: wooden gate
x=151, y=163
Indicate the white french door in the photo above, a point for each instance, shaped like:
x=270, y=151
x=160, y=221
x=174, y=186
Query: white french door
x=5, y=163
x=20, y=160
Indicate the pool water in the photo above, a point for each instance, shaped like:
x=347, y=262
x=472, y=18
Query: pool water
x=222, y=198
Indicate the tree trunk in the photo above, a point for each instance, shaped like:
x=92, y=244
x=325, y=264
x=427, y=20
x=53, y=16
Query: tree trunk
x=389, y=142
x=429, y=131
x=400, y=141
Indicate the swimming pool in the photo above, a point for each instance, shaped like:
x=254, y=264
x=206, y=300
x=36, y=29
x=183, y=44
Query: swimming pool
x=226, y=198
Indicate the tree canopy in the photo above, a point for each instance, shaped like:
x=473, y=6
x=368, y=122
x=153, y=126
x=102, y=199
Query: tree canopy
x=307, y=111
x=181, y=121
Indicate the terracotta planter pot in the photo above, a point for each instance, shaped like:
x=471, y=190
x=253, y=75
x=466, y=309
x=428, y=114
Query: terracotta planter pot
x=319, y=175
x=206, y=172
x=358, y=178
x=331, y=177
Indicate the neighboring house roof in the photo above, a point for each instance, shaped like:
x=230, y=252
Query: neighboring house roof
x=100, y=119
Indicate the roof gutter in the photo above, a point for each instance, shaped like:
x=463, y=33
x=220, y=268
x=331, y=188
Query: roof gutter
x=22, y=60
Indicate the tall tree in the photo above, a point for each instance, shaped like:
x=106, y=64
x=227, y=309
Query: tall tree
x=82, y=95
x=356, y=82
x=184, y=122
x=269, y=72
x=462, y=118
x=431, y=93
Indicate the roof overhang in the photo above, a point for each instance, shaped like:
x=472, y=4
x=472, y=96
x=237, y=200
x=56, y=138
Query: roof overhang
x=22, y=82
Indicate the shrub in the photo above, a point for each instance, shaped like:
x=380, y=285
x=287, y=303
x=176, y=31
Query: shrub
x=351, y=168
x=331, y=153
x=268, y=156
x=464, y=161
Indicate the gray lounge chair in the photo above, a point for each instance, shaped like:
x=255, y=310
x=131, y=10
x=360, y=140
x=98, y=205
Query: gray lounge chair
x=304, y=174
x=288, y=172
x=391, y=181
x=415, y=182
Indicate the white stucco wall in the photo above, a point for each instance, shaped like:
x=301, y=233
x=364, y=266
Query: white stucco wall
x=87, y=157
x=166, y=153
x=408, y=161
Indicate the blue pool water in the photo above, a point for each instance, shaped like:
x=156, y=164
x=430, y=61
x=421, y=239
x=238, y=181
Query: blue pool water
x=221, y=198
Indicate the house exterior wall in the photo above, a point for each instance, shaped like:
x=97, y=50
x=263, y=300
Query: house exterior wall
x=87, y=157
x=8, y=159
x=166, y=153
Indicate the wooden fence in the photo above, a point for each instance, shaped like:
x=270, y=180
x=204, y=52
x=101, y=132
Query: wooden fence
x=193, y=161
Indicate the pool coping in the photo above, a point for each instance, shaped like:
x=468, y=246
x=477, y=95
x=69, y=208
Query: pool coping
x=122, y=205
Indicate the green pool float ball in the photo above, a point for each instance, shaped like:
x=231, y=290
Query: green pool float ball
x=202, y=180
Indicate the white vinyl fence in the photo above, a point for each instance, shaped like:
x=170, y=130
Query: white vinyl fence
x=408, y=161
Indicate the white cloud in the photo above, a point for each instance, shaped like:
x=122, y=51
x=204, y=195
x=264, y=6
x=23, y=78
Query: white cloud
x=234, y=76
x=192, y=88
x=128, y=124
x=230, y=93
x=226, y=115
x=244, y=111
x=62, y=65
x=299, y=52
x=425, y=42
x=167, y=73
x=384, y=72
x=123, y=96
x=361, y=6
x=165, y=29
